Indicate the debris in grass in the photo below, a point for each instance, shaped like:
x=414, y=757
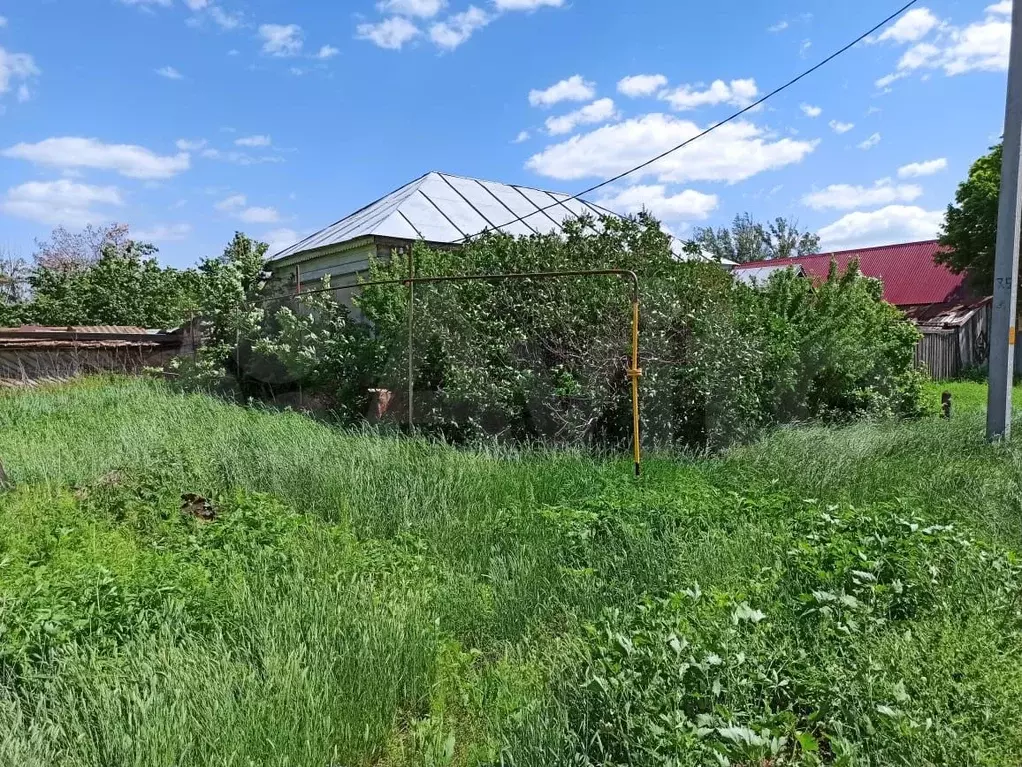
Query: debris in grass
x=198, y=507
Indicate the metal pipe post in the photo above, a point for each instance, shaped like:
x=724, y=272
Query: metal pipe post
x=635, y=373
x=1002, y=327
x=411, y=346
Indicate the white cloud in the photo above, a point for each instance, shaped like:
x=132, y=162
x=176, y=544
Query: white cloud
x=327, y=52
x=522, y=137
x=3, y=22
x=146, y=3
x=839, y=127
x=895, y=223
x=847, y=197
x=236, y=205
x=259, y=215
x=980, y=46
x=233, y=203
x=170, y=73
x=887, y=80
x=190, y=145
x=163, y=233
x=869, y=143
x=24, y=93
x=780, y=26
x=913, y=26
x=239, y=158
x=686, y=205
x=391, y=33
x=224, y=19
x=597, y=112
x=425, y=9
x=14, y=67
x=738, y=92
x=928, y=168
x=732, y=153
x=575, y=88
x=278, y=239
x=458, y=28
x=811, y=111
x=282, y=39
x=641, y=85
x=196, y=5
x=127, y=159
x=1002, y=8
x=59, y=202
x=253, y=141
x=526, y=5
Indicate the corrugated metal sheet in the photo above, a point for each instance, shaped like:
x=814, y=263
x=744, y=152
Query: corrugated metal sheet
x=757, y=275
x=946, y=315
x=87, y=336
x=908, y=271
x=441, y=208
x=123, y=330
x=444, y=209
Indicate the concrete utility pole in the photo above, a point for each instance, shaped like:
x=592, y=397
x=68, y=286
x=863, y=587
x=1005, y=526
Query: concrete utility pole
x=1002, y=327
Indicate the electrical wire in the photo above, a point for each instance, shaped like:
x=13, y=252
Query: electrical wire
x=709, y=130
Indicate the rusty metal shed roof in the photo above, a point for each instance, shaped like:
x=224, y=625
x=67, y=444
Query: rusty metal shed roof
x=105, y=336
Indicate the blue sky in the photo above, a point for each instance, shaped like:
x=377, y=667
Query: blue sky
x=189, y=119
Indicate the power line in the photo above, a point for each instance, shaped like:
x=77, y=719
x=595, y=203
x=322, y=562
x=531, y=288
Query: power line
x=713, y=127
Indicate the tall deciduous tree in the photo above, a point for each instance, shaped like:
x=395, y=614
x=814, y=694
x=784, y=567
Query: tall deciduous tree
x=67, y=251
x=969, y=234
x=125, y=286
x=747, y=240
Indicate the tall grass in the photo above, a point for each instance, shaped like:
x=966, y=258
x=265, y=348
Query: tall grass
x=363, y=599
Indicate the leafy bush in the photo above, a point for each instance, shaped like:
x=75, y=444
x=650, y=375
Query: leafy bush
x=320, y=345
x=836, y=350
x=531, y=359
x=124, y=286
x=818, y=659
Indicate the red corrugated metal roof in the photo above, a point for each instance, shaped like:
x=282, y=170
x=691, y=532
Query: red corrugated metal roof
x=908, y=271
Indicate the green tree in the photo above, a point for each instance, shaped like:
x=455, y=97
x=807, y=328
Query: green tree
x=125, y=286
x=227, y=286
x=969, y=233
x=747, y=240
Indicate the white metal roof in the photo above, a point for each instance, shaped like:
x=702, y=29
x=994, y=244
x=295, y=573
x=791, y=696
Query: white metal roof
x=445, y=209
x=441, y=208
x=758, y=275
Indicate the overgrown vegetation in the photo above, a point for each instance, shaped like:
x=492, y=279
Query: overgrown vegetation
x=747, y=240
x=523, y=361
x=102, y=276
x=548, y=358
x=969, y=234
x=824, y=596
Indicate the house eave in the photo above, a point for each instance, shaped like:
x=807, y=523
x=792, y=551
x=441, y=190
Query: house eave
x=327, y=250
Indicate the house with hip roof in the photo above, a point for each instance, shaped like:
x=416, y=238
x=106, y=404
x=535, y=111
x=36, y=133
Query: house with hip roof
x=439, y=209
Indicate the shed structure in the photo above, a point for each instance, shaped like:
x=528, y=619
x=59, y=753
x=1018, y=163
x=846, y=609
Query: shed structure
x=33, y=353
x=954, y=323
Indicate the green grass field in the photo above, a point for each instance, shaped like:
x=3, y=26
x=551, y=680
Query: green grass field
x=967, y=396
x=824, y=596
